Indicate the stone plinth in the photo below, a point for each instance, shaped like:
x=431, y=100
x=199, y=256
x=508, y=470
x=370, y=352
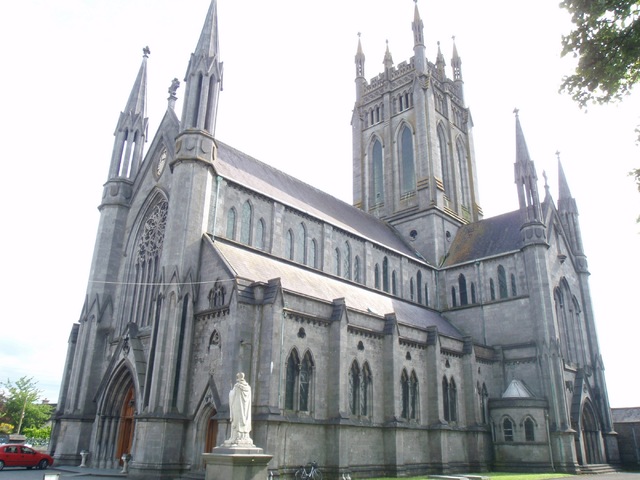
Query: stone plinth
x=236, y=463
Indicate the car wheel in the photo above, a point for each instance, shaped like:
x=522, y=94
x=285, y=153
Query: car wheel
x=43, y=464
x=1, y=464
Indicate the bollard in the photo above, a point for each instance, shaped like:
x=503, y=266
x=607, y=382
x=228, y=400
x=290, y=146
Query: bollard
x=126, y=457
x=84, y=454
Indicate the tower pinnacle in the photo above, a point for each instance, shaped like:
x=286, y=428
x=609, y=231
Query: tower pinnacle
x=204, y=78
x=131, y=130
x=525, y=176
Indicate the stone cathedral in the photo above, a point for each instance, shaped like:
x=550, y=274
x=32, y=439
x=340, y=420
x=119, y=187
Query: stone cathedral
x=404, y=334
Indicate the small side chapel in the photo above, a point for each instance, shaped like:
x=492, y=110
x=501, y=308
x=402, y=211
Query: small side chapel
x=404, y=334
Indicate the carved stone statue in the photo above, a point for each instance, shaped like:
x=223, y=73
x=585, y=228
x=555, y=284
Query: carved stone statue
x=240, y=410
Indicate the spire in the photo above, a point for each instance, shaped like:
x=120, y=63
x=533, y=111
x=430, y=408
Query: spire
x=526, y=177
x=418, y=27
x=563, y=186
x=359, y=60
x=440, y=63
x=420, y=56
x=388, y=60
x=131, y=130
x=204, y=78
x=456, y=62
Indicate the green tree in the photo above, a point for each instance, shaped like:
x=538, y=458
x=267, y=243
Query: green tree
x=20, y=404
x=606, y=42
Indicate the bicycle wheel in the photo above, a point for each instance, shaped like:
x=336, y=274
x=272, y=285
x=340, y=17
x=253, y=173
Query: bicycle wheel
x=316, y=475
x=299, y=474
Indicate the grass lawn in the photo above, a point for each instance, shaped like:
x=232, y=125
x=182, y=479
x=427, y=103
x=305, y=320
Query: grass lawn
x=503, y=476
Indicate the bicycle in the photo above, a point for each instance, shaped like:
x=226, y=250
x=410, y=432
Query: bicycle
x=313, y=472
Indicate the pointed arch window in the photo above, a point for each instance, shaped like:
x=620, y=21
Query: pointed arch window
x=514, y=288
x=492, y=289
x=419, y=285
x=301, y=243
x=507, y=430
x=413, y=396
x=145, y=270
x=366, y=391
x=502, y=282
x=298, y=383
x=376, y=275
x=260, y=234
x=411, y=289
x=449, y=399
x=529, y=430
x=404, y=390
x=347, y=261
x=408, y=170
x=385, y=274
x=445, y=164
x=378, y=173
x=426, y=294
x=288, y=251
x=354, y=388
x=313, y=253
x=484, y=403
x=336, y=261
x=473, y=293
x=462, y=287
x=394, y=283
x=461, y=153
x=356, y=269
x=231, y=224
x=247, y=217
x=454, y=297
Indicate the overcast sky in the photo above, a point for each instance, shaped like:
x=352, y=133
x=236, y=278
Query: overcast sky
x=289, y=90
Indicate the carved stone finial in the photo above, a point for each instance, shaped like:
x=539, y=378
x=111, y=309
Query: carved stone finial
x=558, y=154
x=146, y=52
x=175, y=84
x=516, y=111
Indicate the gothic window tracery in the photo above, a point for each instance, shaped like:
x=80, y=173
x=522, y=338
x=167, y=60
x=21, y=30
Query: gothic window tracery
x=378, y=173
x=146, y=270
x=462, y=286
x=502, y=282
x=407, y=162
x=299, y=382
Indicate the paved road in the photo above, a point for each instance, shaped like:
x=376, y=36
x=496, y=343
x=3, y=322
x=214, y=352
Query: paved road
x=95, y=474
x=62, y=472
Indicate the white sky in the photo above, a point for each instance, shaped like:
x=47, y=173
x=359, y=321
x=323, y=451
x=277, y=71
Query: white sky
x=69, y=66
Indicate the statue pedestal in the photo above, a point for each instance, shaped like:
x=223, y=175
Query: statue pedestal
x=236, y=463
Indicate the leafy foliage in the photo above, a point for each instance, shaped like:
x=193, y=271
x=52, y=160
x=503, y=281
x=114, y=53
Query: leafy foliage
x=606, y=41
x=20, y=408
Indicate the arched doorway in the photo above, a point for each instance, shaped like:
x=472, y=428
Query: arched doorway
x=125, y=432
x=590, y=436
x=211, y=434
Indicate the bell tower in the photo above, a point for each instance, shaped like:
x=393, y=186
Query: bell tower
x=413, y=157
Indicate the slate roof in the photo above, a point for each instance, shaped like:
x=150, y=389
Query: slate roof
x=255, y=175
x=517, y=389
x=486, y=238
x=255, y=266
x=626, y=415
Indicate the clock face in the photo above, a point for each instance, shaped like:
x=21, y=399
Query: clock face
x=162, y=161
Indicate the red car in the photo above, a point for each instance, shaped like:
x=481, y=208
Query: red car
x=15, y=455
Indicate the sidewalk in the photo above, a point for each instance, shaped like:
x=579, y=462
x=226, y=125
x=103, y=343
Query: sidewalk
x=60, y=473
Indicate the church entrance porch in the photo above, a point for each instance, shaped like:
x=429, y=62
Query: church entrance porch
x=116, y=422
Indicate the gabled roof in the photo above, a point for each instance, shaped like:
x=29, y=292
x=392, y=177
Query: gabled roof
x=488, y=237
x=255, y=266
x=255, y=175
x=517, y=389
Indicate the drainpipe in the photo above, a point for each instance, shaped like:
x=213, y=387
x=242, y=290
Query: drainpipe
x=546, y=422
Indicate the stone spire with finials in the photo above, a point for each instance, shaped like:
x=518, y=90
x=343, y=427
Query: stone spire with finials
x=525, y=177
x=418, y=41
x=131, y=131
x=568, y=212
x=204, y=78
